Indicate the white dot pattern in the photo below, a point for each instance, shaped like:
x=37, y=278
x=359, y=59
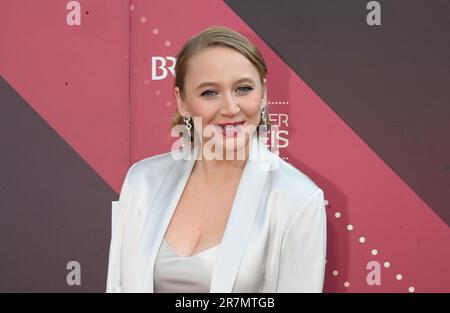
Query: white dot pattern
x=337, y=215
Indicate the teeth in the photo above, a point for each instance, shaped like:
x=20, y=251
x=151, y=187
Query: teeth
x=231, y=129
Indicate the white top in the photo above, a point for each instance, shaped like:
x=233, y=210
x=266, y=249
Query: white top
x=278, y=215
x=178, y=274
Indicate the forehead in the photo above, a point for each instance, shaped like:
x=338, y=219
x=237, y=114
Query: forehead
x=219, y=64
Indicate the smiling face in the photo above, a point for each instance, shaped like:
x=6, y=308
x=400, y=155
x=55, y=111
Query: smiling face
x=222, y=86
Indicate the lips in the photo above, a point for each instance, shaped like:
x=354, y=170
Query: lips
x=231, y=124
x=231, y=129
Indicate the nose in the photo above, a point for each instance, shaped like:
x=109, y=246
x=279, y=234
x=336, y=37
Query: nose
x=230, y=106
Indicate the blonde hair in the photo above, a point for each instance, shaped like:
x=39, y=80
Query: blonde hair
x=211, y=37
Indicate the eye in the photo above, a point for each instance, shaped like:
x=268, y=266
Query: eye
x=207, y=93
x=245, y=88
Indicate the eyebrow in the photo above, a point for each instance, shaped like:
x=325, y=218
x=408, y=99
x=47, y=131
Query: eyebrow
x=245, y=79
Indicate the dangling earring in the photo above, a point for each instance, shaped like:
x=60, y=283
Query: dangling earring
x=263, y=117
x=187, y=120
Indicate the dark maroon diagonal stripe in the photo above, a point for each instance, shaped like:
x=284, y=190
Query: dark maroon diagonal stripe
x=54, y=208
x=389, y=84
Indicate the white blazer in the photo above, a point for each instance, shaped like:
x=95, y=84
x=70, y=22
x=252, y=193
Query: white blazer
x=274, y=241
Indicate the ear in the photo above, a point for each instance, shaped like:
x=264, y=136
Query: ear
x=181, y=105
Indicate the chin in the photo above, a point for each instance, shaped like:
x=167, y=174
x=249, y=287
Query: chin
x=232, y=144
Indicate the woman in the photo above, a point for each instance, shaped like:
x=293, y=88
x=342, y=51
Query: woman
x=225, y=214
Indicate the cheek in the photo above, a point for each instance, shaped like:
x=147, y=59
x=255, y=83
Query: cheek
x=252, y=110
x=205, y=111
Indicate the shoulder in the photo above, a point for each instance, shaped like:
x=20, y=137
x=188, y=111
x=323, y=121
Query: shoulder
x=296, y=191
x=154, y=166
x=292, y=180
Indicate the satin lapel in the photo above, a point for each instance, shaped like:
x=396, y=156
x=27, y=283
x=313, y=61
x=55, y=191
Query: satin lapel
x=242, y=217
x=239, y=224
x=159, y=216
